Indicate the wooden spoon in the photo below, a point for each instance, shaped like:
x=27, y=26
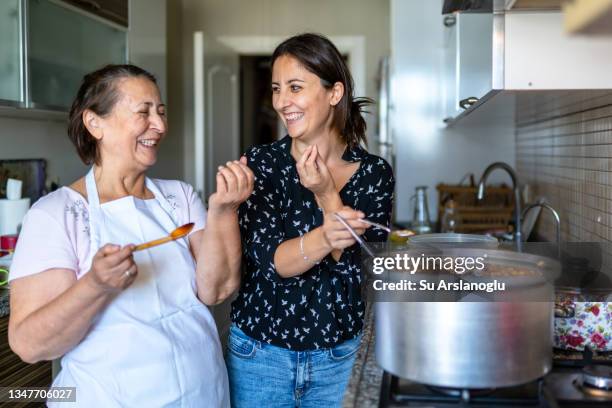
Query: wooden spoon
x=180, y=232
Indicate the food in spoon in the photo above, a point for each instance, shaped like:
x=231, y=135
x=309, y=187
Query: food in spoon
x=400, y=236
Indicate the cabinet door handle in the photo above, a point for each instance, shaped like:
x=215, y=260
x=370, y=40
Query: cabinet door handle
x=468, y=102
x=91, y=3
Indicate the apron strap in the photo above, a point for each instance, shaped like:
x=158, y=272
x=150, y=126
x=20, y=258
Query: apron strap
x=161, y=198
x=95, y=213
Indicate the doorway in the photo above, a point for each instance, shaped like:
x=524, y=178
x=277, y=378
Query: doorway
x=259, y=121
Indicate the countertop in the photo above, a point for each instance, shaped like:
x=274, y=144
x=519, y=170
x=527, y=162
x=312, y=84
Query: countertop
x=363, y=390
x=5, y=261
x=4, y=302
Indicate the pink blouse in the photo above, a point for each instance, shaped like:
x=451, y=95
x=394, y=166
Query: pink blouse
x=55, y=231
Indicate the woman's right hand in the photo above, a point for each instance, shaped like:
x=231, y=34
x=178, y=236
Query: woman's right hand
x=336, y=234
x=113, y=268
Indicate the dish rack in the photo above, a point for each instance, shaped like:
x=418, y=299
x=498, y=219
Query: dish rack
x=493, y=214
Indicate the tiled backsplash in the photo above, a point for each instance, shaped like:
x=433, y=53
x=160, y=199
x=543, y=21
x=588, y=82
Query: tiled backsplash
x=564, y=154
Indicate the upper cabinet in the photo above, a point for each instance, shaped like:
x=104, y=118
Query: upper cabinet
x=468, y=72
x=111, y=10
x=505, y=52
x=46, y=46
x=473, y=66
x=11, y=68
x=63, y=45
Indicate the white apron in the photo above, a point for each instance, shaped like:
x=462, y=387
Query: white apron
x=155, y=344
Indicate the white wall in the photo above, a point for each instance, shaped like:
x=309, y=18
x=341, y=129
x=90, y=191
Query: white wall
x=27, y=138
x=147, y=38
x=428, y=153
x=147, y=44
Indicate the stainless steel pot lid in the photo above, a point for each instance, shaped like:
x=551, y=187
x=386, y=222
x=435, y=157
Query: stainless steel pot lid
x=597, y=376
x=452, y=238
x=517, y=269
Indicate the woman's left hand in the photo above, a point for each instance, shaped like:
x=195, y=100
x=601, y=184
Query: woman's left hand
x=314, y=174
x=235, y=183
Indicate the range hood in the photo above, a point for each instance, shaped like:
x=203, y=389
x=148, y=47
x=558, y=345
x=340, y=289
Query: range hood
x=506, y=52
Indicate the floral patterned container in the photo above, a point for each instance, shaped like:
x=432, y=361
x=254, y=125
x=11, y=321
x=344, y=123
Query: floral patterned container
x=583, y=320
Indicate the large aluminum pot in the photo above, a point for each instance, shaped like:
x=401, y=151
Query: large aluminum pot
x=471, y=344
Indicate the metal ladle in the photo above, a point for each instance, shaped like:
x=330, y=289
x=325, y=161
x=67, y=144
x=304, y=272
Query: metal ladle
x=350, y=229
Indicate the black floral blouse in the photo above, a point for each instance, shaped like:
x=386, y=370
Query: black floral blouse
x=322, y=307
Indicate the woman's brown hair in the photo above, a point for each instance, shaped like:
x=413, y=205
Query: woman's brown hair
x=98, y=93
x=321, y=57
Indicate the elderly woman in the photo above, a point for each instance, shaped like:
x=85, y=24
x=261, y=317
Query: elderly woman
x=132, y=327
x=299, y=314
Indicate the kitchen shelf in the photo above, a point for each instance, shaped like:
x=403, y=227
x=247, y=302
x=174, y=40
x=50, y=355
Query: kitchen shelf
x=33, y=114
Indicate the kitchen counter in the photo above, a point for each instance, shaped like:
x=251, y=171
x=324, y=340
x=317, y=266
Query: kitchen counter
x=363, y=390
x=5, y=262
x=4, y=302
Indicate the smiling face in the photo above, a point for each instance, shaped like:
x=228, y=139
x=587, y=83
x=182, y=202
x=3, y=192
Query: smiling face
x=304, y=105
x=129, y=136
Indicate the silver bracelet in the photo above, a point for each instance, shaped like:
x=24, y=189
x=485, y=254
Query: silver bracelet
x=306, y=258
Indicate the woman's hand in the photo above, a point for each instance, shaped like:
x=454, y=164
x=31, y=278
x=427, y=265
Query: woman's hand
x=113, y=268
x=235, y=183
x=336, y=234
x=315, y=176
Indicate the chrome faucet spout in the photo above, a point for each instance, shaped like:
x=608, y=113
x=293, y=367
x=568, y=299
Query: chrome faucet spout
x=552, y=211
x=515, y=187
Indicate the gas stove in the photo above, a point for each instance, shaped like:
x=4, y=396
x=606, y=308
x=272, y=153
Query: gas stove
x=577, y=380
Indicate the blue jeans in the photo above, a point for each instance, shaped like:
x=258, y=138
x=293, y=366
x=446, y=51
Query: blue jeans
x=262, y=375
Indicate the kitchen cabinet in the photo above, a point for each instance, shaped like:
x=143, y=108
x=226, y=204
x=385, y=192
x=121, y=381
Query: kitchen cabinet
x=467, y=69
x=524, y=51
x=64, y=45
x=10, y=53
x=474, y=67
x=112, y=10
x=451, y=102
x=47, y=46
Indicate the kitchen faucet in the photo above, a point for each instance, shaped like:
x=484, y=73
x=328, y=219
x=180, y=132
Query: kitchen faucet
x=554, y=213
x=515, y=188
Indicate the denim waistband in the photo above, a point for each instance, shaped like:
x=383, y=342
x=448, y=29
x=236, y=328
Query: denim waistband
x=237, y=332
